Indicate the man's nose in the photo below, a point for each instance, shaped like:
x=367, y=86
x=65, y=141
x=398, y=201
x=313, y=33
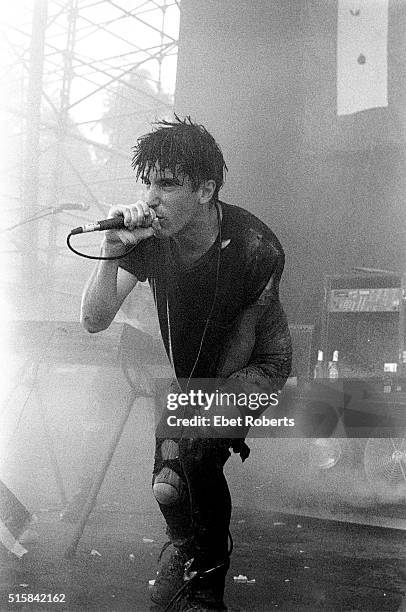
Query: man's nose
x=152, y=200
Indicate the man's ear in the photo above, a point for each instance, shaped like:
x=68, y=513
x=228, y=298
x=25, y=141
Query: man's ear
x=207, y=189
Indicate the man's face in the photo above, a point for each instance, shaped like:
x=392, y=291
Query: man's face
x=173, y=200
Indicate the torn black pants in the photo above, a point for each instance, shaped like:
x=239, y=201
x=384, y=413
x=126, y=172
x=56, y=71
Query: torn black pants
x=198, y=522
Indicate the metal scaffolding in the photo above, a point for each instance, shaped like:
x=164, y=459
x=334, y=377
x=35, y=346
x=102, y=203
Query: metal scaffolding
x=81, y=80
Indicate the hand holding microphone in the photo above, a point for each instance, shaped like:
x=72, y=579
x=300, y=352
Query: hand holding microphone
x=136, y=222
x=125, y=224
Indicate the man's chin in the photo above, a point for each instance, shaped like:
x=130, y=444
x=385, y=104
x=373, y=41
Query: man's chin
x=168, y=230
x=163, y=233
x=160, y=231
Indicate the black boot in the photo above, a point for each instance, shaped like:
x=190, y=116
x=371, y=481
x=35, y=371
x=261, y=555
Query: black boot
x=205, y=591
x=170, y=575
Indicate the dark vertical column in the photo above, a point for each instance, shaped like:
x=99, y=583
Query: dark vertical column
x=262, y=76
x=240, y=69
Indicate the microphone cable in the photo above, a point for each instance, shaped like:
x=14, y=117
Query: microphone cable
x=209, y=317
x=98, y=258
x=202, y=573
x=104, y=224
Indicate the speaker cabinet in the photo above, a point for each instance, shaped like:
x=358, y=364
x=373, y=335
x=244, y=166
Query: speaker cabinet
x=364, y=319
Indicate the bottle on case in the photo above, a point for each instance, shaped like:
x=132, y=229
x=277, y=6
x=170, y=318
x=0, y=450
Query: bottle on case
x=333, y=367
x=319, y=367
x=389, y=377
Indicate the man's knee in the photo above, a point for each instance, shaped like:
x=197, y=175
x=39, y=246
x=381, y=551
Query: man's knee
x=167, y=485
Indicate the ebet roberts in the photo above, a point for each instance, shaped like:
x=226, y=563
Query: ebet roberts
x=222, y=421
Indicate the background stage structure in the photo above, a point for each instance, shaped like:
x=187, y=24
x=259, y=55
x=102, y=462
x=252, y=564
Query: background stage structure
x=81, y=80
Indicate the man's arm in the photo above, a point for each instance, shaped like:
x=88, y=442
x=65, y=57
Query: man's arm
x=104, y=293
x=258, y=352
x=258, y=355
x=257, y=359
x=109, y=284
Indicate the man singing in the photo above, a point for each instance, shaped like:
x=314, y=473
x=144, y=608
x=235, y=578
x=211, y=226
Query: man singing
x=214, y=270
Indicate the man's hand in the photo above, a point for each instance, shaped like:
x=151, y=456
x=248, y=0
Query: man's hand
x=140, y=221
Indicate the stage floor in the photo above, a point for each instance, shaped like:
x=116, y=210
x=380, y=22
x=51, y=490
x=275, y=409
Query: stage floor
x=298, y=563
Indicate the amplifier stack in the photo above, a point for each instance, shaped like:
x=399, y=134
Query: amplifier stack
x=364, y=319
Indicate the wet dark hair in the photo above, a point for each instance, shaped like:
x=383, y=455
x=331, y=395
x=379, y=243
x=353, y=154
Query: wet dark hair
x=183, y=147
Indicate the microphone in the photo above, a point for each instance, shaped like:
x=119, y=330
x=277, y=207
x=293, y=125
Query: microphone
x=72, y=206
x=108, y=224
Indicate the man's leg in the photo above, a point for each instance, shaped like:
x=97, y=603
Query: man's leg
x=193, y=496
x=170, y=490
x=202, y=461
